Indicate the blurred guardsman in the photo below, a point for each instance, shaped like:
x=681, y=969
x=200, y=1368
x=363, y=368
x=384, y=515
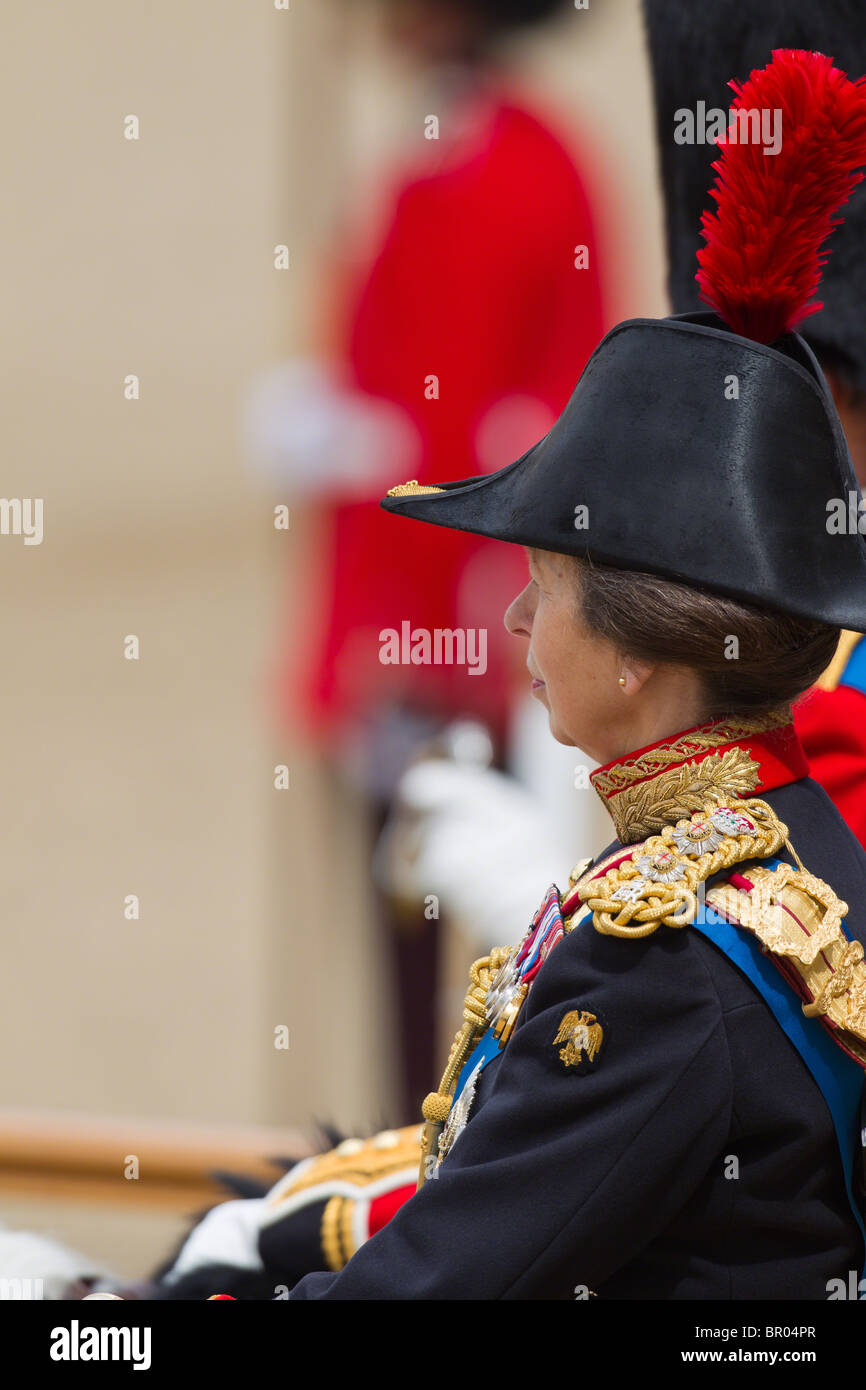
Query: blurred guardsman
x=692, y=57
x=655, y=1093
x=410, y=386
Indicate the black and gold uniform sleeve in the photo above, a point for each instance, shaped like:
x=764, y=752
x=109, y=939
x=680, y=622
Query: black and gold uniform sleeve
x=607, y=1109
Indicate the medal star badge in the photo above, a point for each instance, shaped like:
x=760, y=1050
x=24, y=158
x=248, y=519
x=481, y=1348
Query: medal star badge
x=458, y=1118
x=582, y=1035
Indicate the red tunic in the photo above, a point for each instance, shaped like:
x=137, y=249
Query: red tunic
x=831, y=724
x=476, y=283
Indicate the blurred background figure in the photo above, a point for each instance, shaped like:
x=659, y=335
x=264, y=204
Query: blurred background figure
x=456, y=343
x=692, y=58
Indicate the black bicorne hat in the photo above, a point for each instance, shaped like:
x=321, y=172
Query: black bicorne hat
x=706, y=449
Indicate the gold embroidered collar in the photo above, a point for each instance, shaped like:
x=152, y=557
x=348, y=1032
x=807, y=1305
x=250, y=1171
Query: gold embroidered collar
x=666, y=781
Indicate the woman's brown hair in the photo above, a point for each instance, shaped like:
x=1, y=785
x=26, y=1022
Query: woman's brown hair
x=750, y=660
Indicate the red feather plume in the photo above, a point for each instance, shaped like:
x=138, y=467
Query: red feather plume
x=762, y=262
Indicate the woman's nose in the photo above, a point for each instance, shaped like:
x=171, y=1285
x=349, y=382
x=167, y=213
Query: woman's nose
x=518, y=614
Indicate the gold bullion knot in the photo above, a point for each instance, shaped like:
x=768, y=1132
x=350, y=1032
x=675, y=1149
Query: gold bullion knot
x=436, y=1107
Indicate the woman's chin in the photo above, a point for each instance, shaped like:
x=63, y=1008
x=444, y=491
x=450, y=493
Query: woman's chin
x=558, y=732
x=565, y=736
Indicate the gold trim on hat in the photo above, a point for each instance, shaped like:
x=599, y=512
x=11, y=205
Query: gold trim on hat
x=411, y=489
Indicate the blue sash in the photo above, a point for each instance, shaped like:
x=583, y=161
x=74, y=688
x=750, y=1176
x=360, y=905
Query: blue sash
x=838, y=1077
x=486, y=1051
x=855, y=671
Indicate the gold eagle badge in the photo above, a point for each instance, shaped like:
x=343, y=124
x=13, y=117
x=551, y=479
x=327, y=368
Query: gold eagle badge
x=582, y=1034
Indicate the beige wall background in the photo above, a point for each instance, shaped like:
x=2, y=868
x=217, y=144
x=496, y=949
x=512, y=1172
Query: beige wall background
x=154, y=777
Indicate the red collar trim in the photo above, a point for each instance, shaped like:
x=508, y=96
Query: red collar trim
x=778, y=753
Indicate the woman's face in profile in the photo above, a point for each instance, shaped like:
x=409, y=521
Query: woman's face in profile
x=574, y=673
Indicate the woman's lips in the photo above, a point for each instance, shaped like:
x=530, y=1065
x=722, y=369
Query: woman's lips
x=536, y=685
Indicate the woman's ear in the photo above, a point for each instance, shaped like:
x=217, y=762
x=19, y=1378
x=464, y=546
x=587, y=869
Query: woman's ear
x=634, y=674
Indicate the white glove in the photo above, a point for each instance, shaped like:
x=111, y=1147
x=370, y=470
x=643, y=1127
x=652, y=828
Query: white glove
x=34, y=1266
x=478, y=841
x=302, y=427
x=227, y=1235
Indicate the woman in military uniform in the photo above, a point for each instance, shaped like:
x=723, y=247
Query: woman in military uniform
x=655, y=1093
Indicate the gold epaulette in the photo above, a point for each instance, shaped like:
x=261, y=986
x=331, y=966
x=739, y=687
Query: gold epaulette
x=798, y=919
x=656, y=885
x=796, y=916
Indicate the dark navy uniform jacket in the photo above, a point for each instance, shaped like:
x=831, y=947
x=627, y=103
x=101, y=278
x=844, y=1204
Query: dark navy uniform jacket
x=694, y=1157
